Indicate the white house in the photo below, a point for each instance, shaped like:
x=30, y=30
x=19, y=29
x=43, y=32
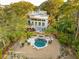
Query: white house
x=38, y=20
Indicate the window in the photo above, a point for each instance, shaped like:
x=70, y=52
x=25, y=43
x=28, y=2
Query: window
x=43, y=20
x=35, y=23
x=29, y=22
x=43, y=29
x=32, y=23
x=39, y=23
x=43, y=24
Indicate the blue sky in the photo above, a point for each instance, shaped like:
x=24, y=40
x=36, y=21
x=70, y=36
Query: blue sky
x=35, y=2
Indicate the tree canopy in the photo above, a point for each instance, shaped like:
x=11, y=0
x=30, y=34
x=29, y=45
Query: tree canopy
x=13, y=21
x=65, y=21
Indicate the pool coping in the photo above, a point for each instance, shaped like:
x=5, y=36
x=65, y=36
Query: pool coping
x=32, y=41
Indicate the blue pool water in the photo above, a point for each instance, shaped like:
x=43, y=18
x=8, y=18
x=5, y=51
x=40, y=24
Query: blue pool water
x=40, y=42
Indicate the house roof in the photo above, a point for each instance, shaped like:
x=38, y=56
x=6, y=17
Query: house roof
x=38, y=15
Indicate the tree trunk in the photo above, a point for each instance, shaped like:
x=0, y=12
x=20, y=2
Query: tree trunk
x=76, y=36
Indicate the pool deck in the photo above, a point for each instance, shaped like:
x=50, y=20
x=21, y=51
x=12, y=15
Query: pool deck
x=52, y=51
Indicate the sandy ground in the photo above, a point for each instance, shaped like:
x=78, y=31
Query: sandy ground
x=52, y=51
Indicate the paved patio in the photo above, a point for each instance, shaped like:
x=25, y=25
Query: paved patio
x=52, y=51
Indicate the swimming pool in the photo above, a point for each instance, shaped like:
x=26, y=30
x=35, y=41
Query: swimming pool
x=40, y=42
